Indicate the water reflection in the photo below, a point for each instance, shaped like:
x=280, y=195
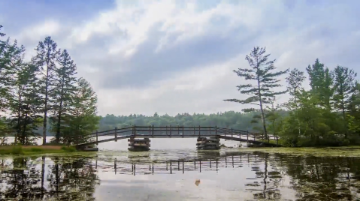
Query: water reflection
x=63, y=179
x=223, y=175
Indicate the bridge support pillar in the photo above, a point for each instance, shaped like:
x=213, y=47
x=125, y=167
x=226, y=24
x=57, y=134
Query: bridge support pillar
x=211, y=143
x=139, y=144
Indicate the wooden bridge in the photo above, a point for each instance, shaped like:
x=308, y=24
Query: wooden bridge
x=179, y=132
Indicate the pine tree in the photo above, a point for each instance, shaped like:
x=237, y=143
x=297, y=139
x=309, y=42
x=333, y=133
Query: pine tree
x=81, y=120
x=295, y=80
x=321, y=82
x=10, y=55
x=354, y=111
x=264, y=81
x=274, y=118
x=25, y=104
x=344, y=88
x=65, y=86
x=45, y=60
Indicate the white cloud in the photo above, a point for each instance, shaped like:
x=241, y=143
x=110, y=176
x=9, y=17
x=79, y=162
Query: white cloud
x=184, y=55
x=49, y=27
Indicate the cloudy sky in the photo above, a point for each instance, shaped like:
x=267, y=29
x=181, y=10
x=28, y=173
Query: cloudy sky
x=176, y=56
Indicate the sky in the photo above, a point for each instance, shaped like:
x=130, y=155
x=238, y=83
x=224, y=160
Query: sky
x=176, y=56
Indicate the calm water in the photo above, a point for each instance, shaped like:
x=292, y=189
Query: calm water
x=173, y=170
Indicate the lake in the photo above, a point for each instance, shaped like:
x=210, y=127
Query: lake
x=174, y=170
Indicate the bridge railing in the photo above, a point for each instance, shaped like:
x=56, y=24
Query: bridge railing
x=158, y=131
x=169, y=131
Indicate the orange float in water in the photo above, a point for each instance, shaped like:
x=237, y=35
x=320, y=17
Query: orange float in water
x=197, y=182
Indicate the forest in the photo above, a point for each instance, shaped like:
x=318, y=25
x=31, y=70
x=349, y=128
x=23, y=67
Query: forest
x=326, y=113
x=43, y=94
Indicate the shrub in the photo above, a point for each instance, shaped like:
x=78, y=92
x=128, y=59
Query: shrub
x=34, y=149
x=17, y=150
x=68, y=149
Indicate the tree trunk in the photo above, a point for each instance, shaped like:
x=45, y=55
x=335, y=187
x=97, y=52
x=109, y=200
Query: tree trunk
x=60, y=112
x=19, y=117
x=344, y=118
x=260, y=100
x=24, y=128
x=46, y=97
x=262, y=111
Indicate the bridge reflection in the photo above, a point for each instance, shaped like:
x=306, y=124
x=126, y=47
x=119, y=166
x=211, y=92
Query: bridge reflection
x=207, y=161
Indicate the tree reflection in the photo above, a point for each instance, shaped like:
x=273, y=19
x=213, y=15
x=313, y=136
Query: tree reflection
x=74, y=180
x=65, y=179
x=322, y=178
x=268, y=188
x=21, y=181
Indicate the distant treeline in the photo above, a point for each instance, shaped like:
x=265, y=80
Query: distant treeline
x=231, y=119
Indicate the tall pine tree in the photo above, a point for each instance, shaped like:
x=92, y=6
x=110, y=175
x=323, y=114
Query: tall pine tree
x=321, y=82
x=65, y=81
x=10, y=56
x=45, y=59
x=26, y=102
x=344, y=88
x=295, y=80
x=81, y=120
x=263, y=81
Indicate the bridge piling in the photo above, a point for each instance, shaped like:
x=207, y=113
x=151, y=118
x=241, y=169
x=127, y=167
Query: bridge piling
x=115, y=165
x=183, y=167
x=247, y=136
x=200, y=165
x=115, y=134
x=97, y=139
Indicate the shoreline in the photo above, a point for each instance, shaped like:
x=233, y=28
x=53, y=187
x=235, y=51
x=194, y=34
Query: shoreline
x=35, y=149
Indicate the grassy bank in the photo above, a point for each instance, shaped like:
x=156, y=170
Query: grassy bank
x=28, y=150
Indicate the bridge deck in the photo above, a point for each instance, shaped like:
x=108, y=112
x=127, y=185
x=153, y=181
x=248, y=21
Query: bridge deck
x=176, y=132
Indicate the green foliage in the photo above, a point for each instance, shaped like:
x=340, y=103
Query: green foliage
x=81, y=119
x=65, y=81
x=68, y=148
x=321, y=82
x=323, y=115
x=16, y=150
x=46, y=88
x=35, y=149
x=24, y=104
x=344, y=88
